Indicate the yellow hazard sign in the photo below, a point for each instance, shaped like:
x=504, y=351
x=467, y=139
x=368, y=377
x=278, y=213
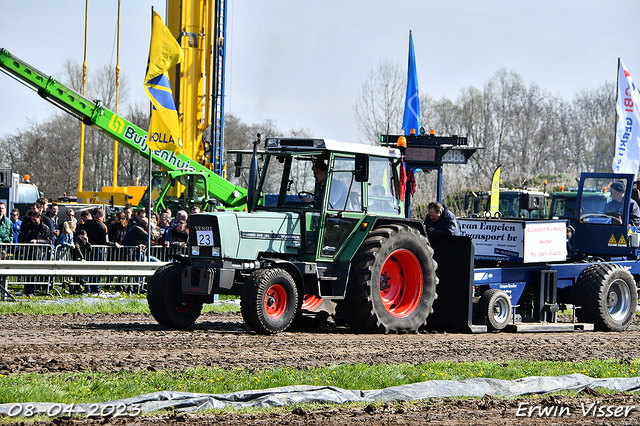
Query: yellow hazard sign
x=612, y=241
x=622, y=242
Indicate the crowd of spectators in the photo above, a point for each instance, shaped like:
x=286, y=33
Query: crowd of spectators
x=42, y=225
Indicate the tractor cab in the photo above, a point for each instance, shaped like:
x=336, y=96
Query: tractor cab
x=332, y=186
x=602, y=216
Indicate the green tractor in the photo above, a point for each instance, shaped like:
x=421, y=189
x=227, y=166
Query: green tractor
x=335, y=234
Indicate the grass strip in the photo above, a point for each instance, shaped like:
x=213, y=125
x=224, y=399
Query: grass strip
x=131, y=304
x=90, y=387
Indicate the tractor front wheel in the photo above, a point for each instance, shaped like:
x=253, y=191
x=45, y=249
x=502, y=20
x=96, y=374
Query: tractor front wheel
x=167, y=304
x=269, y=301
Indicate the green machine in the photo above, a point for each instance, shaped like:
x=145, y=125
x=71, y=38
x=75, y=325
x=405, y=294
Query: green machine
x=338, y=240
x=182, y=183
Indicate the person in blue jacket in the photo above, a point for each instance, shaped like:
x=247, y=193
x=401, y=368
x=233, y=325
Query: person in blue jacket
x=615, y=206
x=440, y=221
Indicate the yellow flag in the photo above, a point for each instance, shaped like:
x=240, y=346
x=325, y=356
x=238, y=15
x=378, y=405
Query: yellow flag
x=495, y=192
x=164, y=53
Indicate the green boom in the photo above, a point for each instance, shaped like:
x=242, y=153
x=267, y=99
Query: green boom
x=94, y=114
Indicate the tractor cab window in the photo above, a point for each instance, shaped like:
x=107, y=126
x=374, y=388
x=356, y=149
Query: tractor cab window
x=344, y=192
x=602, y=201
x=182, y=192
x=291, y=176
x=190, y=190
x=158, y=185
x=301, y=185
x=381, y=194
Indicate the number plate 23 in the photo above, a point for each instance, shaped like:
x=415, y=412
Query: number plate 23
x=204, y=238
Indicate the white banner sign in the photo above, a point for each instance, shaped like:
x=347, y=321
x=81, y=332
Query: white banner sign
x=627, y=149
x=516, y=240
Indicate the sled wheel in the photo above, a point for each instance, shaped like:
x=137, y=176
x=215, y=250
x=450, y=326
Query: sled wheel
x=607, y=296
x=269, y=301
x=314, y=312
x=393, y=282
x=495, y=306
x=310, y=303
x=167, y=304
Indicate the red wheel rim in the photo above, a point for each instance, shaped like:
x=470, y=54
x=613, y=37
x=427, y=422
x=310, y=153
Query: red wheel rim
x=275, y=301
x=178, y=297
x=310, y=302
x=401, y=283
x=184, y=307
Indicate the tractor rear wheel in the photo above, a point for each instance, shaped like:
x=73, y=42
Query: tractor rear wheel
x=607, y=296
x=167, y=304
x=269, y=301
x=495, y=306
x=393, y=282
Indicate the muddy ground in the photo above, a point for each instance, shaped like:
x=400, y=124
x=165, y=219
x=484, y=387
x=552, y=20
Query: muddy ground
x=128, y=342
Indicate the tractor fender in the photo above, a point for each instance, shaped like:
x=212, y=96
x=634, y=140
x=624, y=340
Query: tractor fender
x=290, y=268
x=413, y=223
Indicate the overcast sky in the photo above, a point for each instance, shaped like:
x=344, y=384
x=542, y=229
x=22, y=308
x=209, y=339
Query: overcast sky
x=302, y=62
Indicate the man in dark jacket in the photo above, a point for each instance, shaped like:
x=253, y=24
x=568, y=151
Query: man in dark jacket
x=96, y=230
x=440, y=221
x=35, y=232
x=138, y=236
x=177, y=235
x=97, y=236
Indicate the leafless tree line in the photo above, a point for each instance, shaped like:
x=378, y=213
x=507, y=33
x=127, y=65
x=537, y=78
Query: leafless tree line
x=49, y=151
x=530, y=132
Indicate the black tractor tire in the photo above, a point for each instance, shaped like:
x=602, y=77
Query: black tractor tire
x=607, y=296
x=392, y=282
x=167, y=304
x=269, y=301
x=495, y=307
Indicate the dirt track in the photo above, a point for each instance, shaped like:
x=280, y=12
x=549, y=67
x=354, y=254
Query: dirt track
x=127, y=342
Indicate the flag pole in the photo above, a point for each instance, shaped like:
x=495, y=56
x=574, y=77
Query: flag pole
x=148, y=251
x=84, y=85
x=615, y=123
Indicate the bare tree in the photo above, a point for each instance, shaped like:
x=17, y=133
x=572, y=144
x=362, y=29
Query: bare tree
x=379, y=106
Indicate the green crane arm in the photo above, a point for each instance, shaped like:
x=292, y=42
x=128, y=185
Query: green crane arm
x=108, y=122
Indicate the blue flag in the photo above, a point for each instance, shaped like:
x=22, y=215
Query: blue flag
x=411, y=119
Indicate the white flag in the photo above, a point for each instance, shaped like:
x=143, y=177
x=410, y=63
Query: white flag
x=627, y=151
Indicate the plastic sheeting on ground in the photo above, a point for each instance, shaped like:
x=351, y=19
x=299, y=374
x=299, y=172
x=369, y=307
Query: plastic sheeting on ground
x=274, y=397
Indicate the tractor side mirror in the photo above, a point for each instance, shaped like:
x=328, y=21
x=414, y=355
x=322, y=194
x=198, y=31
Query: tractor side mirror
x=362, y=168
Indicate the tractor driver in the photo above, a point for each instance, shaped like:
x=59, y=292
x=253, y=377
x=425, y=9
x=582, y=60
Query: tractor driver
x=614, y=207
x=338, y=191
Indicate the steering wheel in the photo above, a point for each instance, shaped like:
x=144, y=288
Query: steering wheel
x=304, y=194
x=614, y=217
x=615, y=220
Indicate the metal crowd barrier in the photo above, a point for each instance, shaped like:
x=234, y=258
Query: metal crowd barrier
x=46, y=267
